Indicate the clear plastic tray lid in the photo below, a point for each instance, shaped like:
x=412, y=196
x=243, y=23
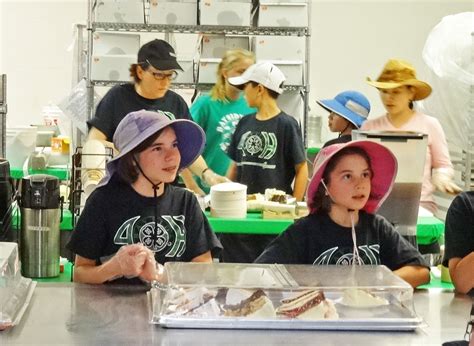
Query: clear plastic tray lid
x=283, y=296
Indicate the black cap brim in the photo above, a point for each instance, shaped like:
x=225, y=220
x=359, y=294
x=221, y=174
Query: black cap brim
x=165, y=65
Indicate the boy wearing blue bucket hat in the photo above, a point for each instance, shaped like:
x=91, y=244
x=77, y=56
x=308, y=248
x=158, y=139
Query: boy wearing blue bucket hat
x=136, y=218
x=347, y=111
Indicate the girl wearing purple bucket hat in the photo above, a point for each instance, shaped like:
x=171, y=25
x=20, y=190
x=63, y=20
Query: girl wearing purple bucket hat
x=349, y=184
x=136, y=217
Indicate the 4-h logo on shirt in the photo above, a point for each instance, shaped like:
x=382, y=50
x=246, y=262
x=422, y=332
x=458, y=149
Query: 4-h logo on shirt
x=260, y=144
x=170, y=234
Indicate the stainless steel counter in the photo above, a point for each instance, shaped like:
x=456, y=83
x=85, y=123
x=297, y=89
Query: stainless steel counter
x=110, y=315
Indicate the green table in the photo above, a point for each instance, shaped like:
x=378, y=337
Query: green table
x=429, y=229
x=60, y=173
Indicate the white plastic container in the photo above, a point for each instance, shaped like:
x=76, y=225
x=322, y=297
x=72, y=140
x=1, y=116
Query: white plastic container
x=173, y=12
x=292, y=69
x=112, y=67
x=120, y=11
x=208, y=70
x=283, y=13
x=20, y=143
x=229, y=200
x=106, y=43
x=268, y=47
x=215, y=46
x=225, y=12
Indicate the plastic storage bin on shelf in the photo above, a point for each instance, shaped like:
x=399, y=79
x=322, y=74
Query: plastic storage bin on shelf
x=120, y=11
x=173, y=12
x=274, y=296
x=225, y=12
x=283, y=13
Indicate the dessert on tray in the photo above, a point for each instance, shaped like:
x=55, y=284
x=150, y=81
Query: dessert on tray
x=359, y=298
x=308, y=305
x=243, y=303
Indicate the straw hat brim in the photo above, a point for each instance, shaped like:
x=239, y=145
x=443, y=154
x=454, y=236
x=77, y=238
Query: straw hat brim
x=423, y=89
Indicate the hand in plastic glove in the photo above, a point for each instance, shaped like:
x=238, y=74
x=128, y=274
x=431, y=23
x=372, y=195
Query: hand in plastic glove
x=442, y=179
x=130, y=259
x=211, y=178
x=152, y=270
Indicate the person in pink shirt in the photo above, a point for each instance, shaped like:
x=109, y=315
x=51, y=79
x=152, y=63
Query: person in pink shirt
x=399, y=88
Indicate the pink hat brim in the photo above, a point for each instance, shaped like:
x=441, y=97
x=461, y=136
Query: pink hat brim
x=384, y=167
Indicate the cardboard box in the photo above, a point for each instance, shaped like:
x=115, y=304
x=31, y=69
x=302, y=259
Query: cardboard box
x=174, y=12
x=105, y=43
x=292, y=69
x=187, y=75
x=283, y=13
x=112, y=67
x=279, y=47
x=225, y=12
x=208, y=70
x=120, y=11
x=214, y=46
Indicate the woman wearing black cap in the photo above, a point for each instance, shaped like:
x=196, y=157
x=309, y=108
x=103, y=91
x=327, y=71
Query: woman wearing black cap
x=152, y=75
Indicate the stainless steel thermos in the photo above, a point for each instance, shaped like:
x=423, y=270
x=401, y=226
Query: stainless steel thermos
x=40, y=219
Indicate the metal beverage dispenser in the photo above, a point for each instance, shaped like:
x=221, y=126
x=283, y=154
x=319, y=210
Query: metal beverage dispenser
x=40, y=219
x=401, y=206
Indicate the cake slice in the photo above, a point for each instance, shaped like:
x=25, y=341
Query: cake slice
x=308, y=305
x=257, y=305
x=359, y=298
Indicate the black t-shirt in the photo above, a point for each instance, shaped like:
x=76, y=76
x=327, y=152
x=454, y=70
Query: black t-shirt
x=123, y=99
x=266, y=152
x=338, y=140
x=116, y=215
x=318, y=240
x=459, y=232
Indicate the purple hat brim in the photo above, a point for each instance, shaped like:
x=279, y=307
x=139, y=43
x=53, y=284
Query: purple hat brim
x=190, y=136
x=384, y=167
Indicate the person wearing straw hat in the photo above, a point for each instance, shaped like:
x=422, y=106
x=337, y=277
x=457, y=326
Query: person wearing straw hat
x=350, y=182
x=152, y=75
x=347, y=111
x=399, y=88
x=135, y=216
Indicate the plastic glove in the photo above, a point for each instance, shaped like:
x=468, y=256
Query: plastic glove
x=130, y=259
x=442, y=179
x=152, y=270
x=211, y=178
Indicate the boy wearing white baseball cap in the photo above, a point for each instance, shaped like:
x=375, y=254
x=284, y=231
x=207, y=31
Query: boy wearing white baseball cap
x=267, y=151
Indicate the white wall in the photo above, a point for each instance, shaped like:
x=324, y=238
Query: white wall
x=350, y=41
x=34, y=40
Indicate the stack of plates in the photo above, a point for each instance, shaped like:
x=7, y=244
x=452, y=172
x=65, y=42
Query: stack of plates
x=229, y=200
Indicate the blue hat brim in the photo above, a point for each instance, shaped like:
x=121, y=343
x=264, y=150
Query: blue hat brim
x=332, y=105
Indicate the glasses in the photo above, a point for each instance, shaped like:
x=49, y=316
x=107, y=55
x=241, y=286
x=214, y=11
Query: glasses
x=162, y=76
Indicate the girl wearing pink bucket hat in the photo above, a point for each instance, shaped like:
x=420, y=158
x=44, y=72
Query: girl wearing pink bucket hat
x=136, y=218
x=349, y=184
x=399, y=87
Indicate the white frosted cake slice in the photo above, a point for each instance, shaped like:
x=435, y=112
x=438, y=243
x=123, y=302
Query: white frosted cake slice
x=358, y=298
x=255, y=305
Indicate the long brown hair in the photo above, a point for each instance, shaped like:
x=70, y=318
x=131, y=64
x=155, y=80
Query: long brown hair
x=230, y=58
